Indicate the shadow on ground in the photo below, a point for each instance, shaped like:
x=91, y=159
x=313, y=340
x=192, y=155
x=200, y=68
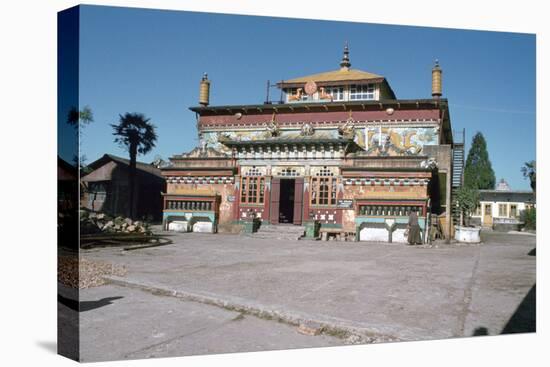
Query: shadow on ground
x=50, y=346
x=85, y=305
x=480, y=331
x=522, y=321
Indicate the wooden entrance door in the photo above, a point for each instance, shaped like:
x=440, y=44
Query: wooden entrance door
x=274, y=202
x=488, y=215
x=298, y=200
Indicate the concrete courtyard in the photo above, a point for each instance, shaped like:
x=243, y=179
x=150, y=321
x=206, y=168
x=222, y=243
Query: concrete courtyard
x=228, y=293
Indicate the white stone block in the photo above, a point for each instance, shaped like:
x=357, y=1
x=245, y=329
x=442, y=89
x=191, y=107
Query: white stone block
x=178, y=226
x=374, y=234
x=467, y=234
x=205, y=227
x=398, y=236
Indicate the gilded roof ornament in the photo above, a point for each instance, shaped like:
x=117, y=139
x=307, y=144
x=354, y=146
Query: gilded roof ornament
x=272, y=127
x=345, y=63
x=348, y=129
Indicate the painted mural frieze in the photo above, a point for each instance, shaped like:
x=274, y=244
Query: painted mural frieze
x=374, y=140
x=389, y=141
x=307, y=129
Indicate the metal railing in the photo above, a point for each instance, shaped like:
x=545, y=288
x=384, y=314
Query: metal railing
x=459, y=136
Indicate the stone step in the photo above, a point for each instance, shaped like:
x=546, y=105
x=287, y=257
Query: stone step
x=280, y=232
x=279, y=228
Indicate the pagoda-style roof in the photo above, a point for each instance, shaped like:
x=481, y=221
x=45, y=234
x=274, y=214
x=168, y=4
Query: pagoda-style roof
x=343, y=75
x=322, y=106
x=336, y=147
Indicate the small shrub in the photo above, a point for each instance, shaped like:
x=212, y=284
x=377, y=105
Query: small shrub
x=529, y=217
x=467, y=200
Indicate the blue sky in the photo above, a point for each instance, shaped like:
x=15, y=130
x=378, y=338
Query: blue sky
x=138, y=60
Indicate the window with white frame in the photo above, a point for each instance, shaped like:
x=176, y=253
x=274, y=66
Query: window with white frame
x=337, y=93
x=513, y=211
x=361, y=92
x=502, y=210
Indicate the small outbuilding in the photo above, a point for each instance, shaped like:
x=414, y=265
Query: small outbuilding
x=502, y=206
x=107, y=189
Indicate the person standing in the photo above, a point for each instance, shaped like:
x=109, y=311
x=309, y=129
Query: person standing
x=414, y=229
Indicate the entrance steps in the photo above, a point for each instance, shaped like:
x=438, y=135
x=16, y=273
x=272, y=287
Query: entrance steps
x=287, y=232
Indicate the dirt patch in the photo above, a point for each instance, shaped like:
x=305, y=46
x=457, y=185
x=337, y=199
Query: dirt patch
x=76, y=272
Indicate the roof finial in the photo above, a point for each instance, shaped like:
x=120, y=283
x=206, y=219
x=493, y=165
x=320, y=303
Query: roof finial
x=345, y=63
x=437, y=89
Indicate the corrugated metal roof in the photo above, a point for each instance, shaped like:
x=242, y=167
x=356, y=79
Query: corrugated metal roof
x=139, y=165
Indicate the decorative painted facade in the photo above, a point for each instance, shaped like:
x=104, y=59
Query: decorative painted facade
x=340, y=149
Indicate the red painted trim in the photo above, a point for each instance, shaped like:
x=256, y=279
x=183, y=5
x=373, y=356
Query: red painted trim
x=316, y=117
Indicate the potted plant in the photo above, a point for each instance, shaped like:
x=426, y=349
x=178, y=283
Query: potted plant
x=467, y=199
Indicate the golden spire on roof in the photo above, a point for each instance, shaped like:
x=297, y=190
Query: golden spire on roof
x=345, y=63
x=437, y=89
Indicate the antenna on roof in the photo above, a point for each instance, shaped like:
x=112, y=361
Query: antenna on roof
x=267, y=101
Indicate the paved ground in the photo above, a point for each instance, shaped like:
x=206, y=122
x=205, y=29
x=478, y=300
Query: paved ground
x=125, y=323
x=395, y=291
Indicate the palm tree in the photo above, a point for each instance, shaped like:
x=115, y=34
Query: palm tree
x=529, y=171
x=79, y=120
x=138, y=136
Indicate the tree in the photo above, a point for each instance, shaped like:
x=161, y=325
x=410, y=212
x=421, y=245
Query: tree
x=478, y=172
x=137, y=136
x=79, y=120
x=529, y=171
x=467, y=199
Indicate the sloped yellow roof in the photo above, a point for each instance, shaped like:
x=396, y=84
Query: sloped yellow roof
x=342, y=74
